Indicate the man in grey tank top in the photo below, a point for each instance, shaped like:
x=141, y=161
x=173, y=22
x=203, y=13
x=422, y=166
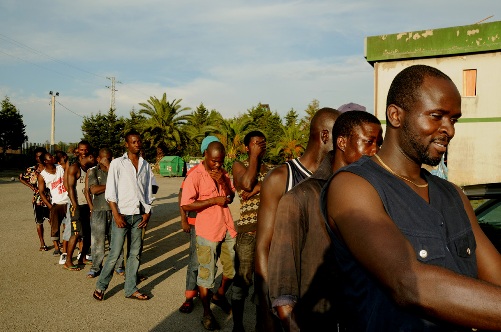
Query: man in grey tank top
x=407, y=243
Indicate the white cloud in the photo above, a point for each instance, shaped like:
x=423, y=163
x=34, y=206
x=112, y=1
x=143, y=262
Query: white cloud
x=230, y=55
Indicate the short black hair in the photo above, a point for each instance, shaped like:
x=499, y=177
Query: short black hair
x=105, y=150
x=347, y=121
x=42, y=157
x=131, y=132
x=61, y=155
x=39, y=149
x=404, y=89
x=215, y=146
x=84, y=142
x=254, y=133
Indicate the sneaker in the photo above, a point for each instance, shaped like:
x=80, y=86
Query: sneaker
x=62, y=259
x=56, y=252
x=88, y=257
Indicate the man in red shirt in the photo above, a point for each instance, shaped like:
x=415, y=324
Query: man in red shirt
x=208, y=190
x=188, y=226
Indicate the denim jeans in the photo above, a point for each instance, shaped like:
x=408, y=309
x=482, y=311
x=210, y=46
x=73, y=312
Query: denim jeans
x=207, y=255
x=100, y=225
x=192, y=271
x=244, y=265
x=118, y=236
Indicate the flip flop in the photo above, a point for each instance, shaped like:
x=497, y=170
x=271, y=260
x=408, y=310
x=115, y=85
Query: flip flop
x=72, y=268
x=44, y=248
x=120, y=272
x=98, y=295
x=139, y=296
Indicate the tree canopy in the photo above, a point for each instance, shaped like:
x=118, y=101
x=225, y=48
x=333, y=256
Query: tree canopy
x=12, y=127
x=105, y=130
x=164, y=121
x=169, y=128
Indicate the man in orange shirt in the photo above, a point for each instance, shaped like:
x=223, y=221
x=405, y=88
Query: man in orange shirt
x=208, y=190
x=188, y=226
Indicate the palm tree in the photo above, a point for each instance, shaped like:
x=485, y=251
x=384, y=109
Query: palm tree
x=291, y=143
x=199, y=124
x=163, y=125
x=231, y=133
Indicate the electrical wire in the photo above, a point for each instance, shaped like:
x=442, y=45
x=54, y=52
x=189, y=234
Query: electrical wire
x=70, y=110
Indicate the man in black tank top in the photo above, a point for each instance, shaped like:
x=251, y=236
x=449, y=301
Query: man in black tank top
x=272, y=189
x=407, y=243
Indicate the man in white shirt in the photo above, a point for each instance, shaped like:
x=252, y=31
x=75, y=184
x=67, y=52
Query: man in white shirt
x=52, y=177
x=129, y=192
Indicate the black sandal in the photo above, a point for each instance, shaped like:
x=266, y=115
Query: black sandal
x=98, y=295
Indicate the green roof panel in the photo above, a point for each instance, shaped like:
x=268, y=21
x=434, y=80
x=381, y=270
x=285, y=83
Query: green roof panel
x=466, y=39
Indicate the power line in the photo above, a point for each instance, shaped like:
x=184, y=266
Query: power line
x=35, y=51
x=70, y=110
x=48, y=69
x=13, y=41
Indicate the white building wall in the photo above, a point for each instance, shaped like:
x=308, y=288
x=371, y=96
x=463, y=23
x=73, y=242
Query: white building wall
x=474, y=153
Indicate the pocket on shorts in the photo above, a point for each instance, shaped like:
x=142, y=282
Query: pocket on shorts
x=203, y=254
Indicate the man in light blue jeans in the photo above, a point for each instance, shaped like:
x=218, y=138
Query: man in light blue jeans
x=129, y=190
x=118, y=235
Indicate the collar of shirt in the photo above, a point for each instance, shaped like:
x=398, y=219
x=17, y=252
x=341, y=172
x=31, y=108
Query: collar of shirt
x=128, y=188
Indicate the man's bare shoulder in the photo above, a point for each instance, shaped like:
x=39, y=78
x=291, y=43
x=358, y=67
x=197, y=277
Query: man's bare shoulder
x=73, y=168
x=273, y=188
x=347, y=189
x=277, y=174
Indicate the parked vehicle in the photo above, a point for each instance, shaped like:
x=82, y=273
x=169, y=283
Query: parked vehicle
x=486, y=200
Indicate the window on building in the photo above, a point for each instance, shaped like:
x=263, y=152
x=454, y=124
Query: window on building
x=469, y=83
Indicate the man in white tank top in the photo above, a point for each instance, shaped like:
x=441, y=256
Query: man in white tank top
x=52, y=177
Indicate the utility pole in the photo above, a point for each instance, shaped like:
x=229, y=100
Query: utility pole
x=53, y=127
x=112, y=88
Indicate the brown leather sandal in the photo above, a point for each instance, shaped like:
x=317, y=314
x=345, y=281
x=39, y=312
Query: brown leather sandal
x=139, y=296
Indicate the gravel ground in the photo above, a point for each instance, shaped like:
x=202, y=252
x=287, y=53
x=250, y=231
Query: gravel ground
x=37, y=294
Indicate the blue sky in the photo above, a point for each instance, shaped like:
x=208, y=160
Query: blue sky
x=229, y=55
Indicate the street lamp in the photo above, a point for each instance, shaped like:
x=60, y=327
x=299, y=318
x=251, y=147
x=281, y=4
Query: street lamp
x=53, y=127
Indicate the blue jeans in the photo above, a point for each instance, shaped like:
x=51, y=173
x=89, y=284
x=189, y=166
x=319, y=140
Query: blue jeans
x=208, y=253
x=244, y=265
x=118, y=236
x=192, y=271
x=100, y=225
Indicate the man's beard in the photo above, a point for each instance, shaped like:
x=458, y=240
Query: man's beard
x=421, y=153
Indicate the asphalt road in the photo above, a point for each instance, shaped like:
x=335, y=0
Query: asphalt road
x=37, y=294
